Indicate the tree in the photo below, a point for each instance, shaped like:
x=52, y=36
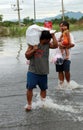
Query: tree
x=81, y=19
x=27, y=20
x=1, y=17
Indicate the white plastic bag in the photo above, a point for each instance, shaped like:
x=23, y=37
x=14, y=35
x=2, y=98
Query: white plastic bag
x=55, y=54
x=33, y=34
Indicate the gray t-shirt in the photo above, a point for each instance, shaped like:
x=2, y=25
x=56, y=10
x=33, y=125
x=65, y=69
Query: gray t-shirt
x=39, y=62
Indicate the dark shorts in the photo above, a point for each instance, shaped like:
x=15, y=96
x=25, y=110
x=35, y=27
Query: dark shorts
x=35, y=79
x=64, y=67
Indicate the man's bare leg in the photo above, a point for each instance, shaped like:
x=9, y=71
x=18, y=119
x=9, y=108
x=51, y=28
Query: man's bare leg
x=61, y=76
x=29, y=95
x=67, y=76
x=43, y=94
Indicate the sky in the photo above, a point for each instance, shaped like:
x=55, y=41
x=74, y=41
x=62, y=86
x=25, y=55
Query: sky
x=43, y=8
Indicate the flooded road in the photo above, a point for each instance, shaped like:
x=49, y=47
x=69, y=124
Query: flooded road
x=62, y=110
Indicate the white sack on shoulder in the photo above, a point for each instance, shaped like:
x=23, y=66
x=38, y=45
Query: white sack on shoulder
x=33, y=35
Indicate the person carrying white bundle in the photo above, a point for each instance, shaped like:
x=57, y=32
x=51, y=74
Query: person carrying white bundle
x=38, y=68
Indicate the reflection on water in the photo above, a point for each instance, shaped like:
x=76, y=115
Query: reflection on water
x=1, y=45
x=12, y=46
x=62, y=109
x=20, y=48
x=78, y=36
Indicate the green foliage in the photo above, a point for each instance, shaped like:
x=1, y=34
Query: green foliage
x=4, y=31
x=27, y=21
x=17, y=31
x=1, y=17
x=74, y=27
x=13, y=28
x=81, y=18
x=9, y=23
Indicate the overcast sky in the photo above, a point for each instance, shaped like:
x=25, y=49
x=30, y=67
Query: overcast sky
x=44, y=8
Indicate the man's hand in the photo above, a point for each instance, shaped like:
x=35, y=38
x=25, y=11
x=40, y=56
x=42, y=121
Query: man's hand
x=35, y=47
x=30, y=51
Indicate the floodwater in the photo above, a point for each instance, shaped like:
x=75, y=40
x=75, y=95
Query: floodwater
x=62, y=109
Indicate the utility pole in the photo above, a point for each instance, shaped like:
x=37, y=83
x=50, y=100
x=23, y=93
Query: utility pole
x=17, y=8
x=62, y=9
x=34, y=13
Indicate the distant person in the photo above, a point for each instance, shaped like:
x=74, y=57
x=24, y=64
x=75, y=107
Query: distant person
x=65, y=39
x=64, y=68
x=39, y=66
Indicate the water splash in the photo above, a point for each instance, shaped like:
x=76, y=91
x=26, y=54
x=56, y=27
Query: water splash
x=69, y=86
x=48, y=103
x=75, y=85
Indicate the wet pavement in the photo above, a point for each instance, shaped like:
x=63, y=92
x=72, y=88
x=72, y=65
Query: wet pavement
x=62, y=110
